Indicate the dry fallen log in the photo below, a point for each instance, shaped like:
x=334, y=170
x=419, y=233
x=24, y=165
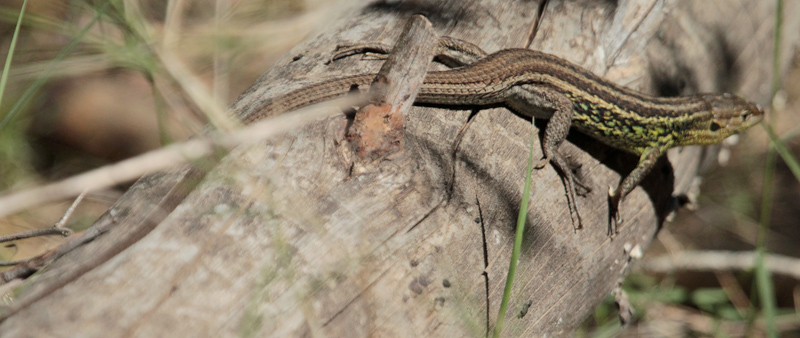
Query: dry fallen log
x=296, y=237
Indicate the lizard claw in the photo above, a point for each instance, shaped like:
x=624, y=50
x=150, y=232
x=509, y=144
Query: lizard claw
x=584, y=189
x=616, y=223
x=579, y=220
x=542, y=163
x=615, y=215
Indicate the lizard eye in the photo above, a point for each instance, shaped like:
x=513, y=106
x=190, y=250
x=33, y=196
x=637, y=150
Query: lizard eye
x=714, y=127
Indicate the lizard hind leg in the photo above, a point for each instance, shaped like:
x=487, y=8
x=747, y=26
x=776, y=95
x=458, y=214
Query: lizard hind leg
x=570, y=181
x=541, y=102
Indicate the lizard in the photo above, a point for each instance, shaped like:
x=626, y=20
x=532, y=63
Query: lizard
x=544, y=86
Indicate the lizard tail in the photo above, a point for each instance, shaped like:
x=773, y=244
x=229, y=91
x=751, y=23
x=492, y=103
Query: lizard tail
x=306, y=96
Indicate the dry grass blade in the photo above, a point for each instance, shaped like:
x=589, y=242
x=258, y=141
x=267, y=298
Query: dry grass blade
x=169, y=156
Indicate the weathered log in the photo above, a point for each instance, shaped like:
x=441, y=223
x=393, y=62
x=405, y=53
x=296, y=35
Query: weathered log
x=290, y=238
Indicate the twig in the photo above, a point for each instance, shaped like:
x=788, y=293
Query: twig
x=33, y=264
x=377, y=129
x=57, y=229
x=17, y=262
x=61, y=222
x=720, y=261
x=64, y=232
x=36, y=233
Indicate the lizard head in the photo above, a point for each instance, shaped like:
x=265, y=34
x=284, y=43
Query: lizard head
x=727, y=115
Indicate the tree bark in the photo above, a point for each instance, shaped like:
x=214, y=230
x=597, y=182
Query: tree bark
x=296, y=237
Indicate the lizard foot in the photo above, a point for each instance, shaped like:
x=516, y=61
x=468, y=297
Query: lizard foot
x=615, y=215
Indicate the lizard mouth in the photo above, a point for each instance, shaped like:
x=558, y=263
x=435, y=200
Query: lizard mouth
x=755, y=115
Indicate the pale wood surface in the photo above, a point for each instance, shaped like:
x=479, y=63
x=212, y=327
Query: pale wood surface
x=288, y=239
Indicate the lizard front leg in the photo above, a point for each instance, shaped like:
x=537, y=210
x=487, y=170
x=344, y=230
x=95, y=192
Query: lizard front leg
x=646, y=163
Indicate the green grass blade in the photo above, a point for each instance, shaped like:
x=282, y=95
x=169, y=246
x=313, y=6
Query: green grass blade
x=10, y=56
x=39, y=82
x=521, y=218
x=784, y=152
x=763, y=278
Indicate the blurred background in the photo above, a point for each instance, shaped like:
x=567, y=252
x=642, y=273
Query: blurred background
x=85, y=90
x=112, y=97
